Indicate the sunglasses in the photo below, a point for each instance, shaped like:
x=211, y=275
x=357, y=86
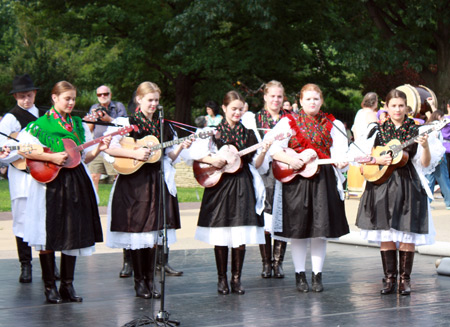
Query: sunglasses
x=103, y=94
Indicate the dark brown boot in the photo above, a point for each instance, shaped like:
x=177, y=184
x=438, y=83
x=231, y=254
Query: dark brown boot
x=48, y=275
x=24, y=252
x=389, y=260
x=149, y=271
x=279, y=249
x=237, y=262
x=66, y=289
x=221, y=255
x=127, y=269
x=406, y=260
x=165, y=258
x=138, y=269
x=266, y=256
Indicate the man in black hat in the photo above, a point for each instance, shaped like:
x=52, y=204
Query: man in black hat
x=13, y=122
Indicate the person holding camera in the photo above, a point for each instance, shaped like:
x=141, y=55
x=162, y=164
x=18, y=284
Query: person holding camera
x=105, y=110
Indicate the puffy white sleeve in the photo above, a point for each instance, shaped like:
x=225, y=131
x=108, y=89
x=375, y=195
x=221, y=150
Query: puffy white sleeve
x=282, y=127
x=340, y=142
x=121, y=122
x=437, y=151
x=200, y=148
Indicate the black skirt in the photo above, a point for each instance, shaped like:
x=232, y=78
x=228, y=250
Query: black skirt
x=312, y=207
x=231, y=202
x=136, y=203
x=72, y=220
x=400, y=203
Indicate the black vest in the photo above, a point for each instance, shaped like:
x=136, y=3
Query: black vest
x=23, y=116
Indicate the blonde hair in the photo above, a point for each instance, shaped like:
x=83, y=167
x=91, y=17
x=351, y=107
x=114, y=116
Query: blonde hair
x=273, y=83
x=147, y=87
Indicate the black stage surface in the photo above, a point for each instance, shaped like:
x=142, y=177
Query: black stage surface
x=352, y=279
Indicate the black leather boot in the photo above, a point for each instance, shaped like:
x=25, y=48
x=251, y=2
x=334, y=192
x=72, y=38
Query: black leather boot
x=316, y=282
x=406, y=260
x=66, y=289
x=266, y=256
x=24, y=252
x=389, y=260
x=149, y=271
x=168, y=269
x=301, y=283
x=237, y=262
x=221, y=255
x=48, y=275
x=279, y=249
x=139, y=281
x=127, y=269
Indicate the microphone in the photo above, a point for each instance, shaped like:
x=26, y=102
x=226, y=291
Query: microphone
x=159, y=107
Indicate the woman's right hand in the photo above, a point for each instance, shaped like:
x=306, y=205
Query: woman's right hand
x=142, y=154
x=384, y=160
x=218, y=162
x=58, y=158
x=296, y=163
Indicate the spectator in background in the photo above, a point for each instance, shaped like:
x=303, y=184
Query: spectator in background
x=446, y=137
x=213, y=118
x=440, y=174
x=365, y=115
x=106, y=110
x=287, y=106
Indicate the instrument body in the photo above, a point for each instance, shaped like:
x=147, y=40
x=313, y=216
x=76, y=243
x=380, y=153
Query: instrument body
x=284, y=173
x=126, y=166
x=379, y=174
x=207, y=175
x=45, y=171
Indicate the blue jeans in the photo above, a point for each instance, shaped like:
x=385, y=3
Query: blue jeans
x=441, y=176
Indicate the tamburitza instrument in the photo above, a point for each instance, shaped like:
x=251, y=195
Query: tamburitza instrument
x=416, y=98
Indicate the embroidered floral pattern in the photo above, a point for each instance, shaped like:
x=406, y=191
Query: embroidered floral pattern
x=235, y=136
x=312, y=133
x=388, y=131
x=150, y=126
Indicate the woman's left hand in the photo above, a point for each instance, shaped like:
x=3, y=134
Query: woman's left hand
x=266, y=146
x=186, y=144
x=423, y=141
x=104, y=144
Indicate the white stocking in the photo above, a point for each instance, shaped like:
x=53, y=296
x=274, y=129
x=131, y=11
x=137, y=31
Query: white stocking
x=299, y=248
x=318, y=252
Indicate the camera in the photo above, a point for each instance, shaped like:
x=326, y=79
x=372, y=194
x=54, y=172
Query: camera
x=100, y=109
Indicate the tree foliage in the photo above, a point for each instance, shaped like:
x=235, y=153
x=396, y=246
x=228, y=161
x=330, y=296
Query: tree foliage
x=197, y=50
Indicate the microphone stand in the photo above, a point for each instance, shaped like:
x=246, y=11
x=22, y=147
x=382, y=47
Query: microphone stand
x=163, y=316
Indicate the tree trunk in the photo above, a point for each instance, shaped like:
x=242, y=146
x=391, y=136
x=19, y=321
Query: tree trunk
x=183, y=98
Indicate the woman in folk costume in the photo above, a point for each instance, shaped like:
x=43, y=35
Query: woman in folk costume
x=310, y=210
x=230, y=213
x=396, y=213
x=135, y=206
x=63, y=214
x=265, y=120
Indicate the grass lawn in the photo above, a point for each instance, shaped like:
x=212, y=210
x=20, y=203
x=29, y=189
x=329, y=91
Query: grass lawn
x=184, y=195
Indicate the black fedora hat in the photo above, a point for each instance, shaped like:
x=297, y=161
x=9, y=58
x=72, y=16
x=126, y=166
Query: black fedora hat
x=23, y=83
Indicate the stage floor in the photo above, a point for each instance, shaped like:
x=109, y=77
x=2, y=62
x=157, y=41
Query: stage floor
x=352, y=279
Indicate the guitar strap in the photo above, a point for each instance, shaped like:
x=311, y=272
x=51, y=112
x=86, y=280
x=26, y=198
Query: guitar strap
x=350, y=142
